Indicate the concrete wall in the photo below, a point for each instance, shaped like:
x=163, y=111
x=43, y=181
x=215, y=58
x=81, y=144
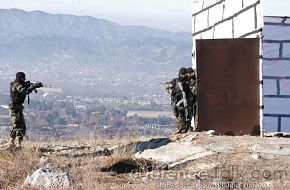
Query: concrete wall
x=276, y=73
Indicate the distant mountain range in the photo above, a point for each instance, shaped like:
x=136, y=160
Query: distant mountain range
x=60, y=46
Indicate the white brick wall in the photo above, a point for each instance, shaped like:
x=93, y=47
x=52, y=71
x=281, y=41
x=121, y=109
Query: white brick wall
x=276, y=73
x=213, y=19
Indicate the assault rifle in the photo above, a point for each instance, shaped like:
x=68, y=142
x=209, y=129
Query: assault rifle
x=32, y=86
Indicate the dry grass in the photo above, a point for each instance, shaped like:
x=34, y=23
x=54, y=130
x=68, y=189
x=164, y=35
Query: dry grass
x=85, y=172
x=105, y=172
x=15, y=167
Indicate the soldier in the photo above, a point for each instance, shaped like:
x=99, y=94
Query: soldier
x=180, y=93
x=192, y=105
x=19, y=88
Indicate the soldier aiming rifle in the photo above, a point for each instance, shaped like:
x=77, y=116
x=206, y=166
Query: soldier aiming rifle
x=19, y=88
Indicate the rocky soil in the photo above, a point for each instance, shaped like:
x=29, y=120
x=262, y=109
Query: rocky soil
x=189, y=161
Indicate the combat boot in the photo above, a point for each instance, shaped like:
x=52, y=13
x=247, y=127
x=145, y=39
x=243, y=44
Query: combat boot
x=190, y=129
x=18, y=143
x=11, y=143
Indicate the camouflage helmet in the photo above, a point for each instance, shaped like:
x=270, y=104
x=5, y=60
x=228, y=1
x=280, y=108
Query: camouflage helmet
x=189, y=70
x=182, y=72
x=20, y=76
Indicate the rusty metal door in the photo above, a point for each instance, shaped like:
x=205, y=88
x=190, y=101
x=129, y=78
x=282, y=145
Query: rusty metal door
x=228, y=85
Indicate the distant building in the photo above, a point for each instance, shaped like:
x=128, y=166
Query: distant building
x=150, y=114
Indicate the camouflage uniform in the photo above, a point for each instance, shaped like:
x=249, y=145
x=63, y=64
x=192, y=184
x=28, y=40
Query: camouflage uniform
x=18, y=91
x=182, y=113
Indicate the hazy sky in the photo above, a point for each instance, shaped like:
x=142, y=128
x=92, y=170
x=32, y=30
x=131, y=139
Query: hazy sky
x=172, y=15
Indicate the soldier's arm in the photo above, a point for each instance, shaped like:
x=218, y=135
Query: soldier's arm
x=192, y=85
x=170, y=87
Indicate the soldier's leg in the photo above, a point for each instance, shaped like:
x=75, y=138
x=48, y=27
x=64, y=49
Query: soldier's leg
x=178, y=125
x=19, y=128
x=190, y=115
x=185, y=126
x=189, y=127
x=13, y=118
x=181, y=125
x=20, y=132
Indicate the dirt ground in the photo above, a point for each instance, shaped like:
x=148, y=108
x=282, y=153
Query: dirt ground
x=242, y=162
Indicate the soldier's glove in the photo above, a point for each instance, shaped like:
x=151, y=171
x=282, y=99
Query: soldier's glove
x=192, y=83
